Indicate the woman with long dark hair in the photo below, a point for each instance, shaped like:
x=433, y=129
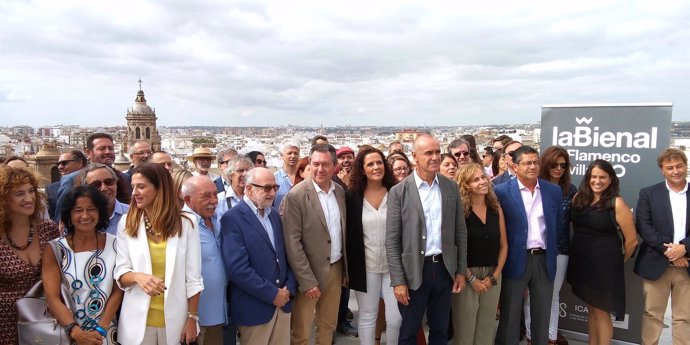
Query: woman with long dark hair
x=555, y=168
x=371, y=178
x=23, y=236
x=158, y=264
x=87, y=266
x=595, y=268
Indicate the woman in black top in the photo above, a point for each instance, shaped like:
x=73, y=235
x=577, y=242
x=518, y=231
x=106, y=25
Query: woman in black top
x=474, y=309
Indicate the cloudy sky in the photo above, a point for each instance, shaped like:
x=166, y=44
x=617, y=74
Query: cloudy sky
x=260, y=63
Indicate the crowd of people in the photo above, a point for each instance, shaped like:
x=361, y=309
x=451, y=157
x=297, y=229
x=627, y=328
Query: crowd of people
x=158, y=255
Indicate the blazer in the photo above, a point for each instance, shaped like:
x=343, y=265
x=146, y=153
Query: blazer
x=219, y=184
x=356, y=262
x=516, y=225
x=655, y=227
x=406, y=232
x=182, y=279
x=307, y=240
x=51, y=193
x=503, y=178
x=256, y=270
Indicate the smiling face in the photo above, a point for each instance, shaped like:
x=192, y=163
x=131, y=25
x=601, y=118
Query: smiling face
x=143, y=191
x=449, y=167
x=374, y=167
x=22, y=200
x=479, y=183
x=141, y=151
x=462, y=154
x=237, y=177
x=204, y=199
x=322, y=168
x=84, y=215
x=599, y=181
x=345, y=161
x=400, y=170
x=674, y=171
x=104, y=181
x=67, y=163
x=103, y=151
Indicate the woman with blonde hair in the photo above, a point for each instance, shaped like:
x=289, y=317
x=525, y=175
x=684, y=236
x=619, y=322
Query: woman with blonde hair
x=23, y=236
x=158, y=264
x=474, y=309
x=179, y=176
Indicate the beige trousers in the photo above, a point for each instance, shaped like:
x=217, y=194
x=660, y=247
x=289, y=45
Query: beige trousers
x=676, y=282
x=274, y=332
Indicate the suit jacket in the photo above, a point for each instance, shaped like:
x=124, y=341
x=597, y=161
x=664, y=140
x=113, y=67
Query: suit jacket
x=357, y=269
x=124, y=189
x=503, y=178
x=256, y=270
x=655, y=226
x=307, y=240
x=516, y=225
x=406, y=232
x=219, y=184
x=182, y=279
x=51, y=193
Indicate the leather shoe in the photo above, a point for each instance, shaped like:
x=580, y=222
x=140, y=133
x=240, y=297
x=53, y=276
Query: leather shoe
x=346, y=328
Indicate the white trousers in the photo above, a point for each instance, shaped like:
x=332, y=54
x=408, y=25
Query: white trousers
x=378, y=285
x=561, y=268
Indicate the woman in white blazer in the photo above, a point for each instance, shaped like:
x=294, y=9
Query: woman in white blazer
x=158, y=264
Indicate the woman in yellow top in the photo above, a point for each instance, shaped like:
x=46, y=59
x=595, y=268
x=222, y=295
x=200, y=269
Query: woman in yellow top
x=158, y=264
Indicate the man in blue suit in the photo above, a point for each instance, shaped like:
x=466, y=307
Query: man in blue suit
x=662, y=215
x=256, y=264
x=533, y=213
x=509, y=174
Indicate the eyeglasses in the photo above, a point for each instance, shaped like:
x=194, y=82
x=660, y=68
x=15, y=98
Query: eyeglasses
x=400, y=169
x=97, y=184
x=559, y=165
x=530, y=163
x=508, y=153
x=223, y=162
x=267, y=188
x=65, y=162
x=461, y=153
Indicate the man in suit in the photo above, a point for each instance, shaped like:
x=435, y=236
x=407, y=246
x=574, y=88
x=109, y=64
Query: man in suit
x=67, y=163
x=314, y=227
x=533, y=213
x=509, y=174
x=662, y=222
x=256, y=263
x=426, y=244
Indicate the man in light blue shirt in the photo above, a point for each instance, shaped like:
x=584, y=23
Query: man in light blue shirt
x=285, y=177
x=199, y=194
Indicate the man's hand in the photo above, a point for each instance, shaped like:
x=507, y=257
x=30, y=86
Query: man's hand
x=680, y=262
x=312, y=293
x=674, y=251
x=459, y=283
x=282, y=297
x=401, y=294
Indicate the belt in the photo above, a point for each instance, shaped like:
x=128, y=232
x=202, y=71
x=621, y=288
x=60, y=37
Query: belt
x=433, y=258
x=536, y=251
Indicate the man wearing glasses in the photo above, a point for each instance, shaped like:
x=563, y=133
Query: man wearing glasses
x=139, y=154
x=509, y=148
x=533, y=214
x=103, y=178
x=460, y=149
x=223, y=157
x=68, y=163
x=256, y=263
x=234, y=173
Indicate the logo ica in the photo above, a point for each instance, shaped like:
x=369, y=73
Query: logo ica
x=583, y=119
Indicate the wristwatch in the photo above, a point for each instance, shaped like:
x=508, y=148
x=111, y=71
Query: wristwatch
x=70, y=327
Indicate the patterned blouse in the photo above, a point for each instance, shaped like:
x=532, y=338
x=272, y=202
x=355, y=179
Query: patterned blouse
x=564, y=231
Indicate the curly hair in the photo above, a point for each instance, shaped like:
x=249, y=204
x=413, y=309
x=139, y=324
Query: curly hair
x=98, y=200
x=11, y=178
x=464, y=177
x=585, y=195
x=358, y=179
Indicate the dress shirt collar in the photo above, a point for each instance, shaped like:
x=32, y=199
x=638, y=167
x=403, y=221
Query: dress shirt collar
x=682, y=192
x=201, y=219
x=255, y=209
x=418, y=180
x=522, y=186
x=230, y=193
x=119, y=208
x=318, y=189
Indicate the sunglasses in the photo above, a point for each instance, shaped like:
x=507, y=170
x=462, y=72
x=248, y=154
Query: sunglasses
x=267, y=188
x=223, y=162
x=559, y=165
x=461, y=153
x=65, y=162
x=97, y=184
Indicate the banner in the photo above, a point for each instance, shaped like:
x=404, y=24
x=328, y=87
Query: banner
x=630, y=137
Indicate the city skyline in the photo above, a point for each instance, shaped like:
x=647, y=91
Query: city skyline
x=389, y=63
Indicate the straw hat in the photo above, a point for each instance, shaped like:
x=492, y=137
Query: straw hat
x=201, y=152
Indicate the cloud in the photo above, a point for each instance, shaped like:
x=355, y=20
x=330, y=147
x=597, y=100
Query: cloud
x=357, y=62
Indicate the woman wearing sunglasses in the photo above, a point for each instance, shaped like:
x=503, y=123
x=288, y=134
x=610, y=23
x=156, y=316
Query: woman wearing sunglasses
x=555, y=168
x=158, y=264
x=257, y=158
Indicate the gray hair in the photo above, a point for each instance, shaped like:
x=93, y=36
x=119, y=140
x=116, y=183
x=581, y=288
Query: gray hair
x=131, y=148
x=288, y=145
x=233, y=163
x=457, y=143
x=95, y=166
x=222, y=153
x=250, y=176
x=324, y=148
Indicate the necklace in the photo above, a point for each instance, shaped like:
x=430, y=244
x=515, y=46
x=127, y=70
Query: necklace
x=28, y=243
x=149, y=228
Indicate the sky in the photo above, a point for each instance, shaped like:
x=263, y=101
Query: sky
x=360, y=63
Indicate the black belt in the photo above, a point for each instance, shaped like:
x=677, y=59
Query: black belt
x=536, y=251
x=433, y=258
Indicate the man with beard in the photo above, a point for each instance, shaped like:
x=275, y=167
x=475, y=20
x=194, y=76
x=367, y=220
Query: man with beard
x=285, y=177
x=99, y=149
x=199, y=194
x=139, y=154
x=256, y=263
x=345, y=159
x=237, y=167
x=201, y=158
x=103, y=178
x=68, y=162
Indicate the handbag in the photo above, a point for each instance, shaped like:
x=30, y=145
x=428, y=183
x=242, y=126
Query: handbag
x=35, y=323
